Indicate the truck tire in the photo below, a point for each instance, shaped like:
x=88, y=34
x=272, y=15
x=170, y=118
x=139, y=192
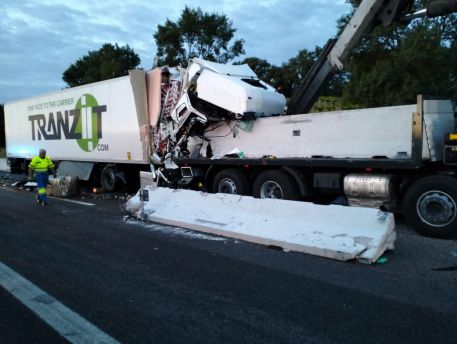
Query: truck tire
x=231, y=181
x=275, y=184
x=109, y=179
x=430, y=206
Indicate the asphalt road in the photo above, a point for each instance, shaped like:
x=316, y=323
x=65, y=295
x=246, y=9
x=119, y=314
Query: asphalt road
x=147, y=283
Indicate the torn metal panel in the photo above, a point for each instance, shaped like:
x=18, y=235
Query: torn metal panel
x=153, y=80
x=336, y=232
x=138, y=82
x=147, y=178
x=80, y=169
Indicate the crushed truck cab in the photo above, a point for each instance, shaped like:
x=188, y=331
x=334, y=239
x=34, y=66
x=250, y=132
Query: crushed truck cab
x=234, y=88
x=204, y=93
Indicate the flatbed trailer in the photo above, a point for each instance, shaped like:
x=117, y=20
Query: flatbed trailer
x=401, y=163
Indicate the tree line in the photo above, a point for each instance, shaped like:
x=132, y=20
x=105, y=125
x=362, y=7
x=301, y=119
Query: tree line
x=390, y=66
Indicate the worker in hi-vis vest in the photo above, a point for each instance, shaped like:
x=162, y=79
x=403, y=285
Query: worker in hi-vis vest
x=41, y=165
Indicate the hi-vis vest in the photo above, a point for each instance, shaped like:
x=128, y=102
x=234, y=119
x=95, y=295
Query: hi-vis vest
x=41, y=165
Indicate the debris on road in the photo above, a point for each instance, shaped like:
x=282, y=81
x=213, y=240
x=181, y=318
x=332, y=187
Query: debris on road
x=64, y=186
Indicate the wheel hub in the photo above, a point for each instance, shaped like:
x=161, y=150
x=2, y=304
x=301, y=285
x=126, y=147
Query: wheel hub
x=227, y=186
x=271, y=190
x=436, y=208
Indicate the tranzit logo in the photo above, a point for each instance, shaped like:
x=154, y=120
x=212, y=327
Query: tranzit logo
x=83, y=124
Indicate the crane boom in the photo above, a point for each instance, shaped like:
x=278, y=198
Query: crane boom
x=336, y=52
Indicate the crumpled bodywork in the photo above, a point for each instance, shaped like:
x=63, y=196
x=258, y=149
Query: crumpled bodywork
x=204, y=93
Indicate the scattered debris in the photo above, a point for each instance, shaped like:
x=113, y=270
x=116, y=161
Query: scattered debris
x=382, y=260
x=65, y=186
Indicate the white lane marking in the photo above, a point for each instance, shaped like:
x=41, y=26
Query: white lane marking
x=67, y=323
x=73, y=201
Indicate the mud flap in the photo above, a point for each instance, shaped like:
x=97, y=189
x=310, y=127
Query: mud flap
x=337, y=232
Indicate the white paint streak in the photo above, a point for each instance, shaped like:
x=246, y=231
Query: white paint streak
x=73, y=201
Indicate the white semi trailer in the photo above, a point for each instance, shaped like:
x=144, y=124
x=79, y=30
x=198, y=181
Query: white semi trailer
x=93, y=130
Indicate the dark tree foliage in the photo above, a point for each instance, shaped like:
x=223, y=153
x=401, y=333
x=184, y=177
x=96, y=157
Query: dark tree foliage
x=295, y=69
x=267, y=72
x=261, y=67
x=197, y=34
x=392, y=65
x=287, y=77
x=110, y=61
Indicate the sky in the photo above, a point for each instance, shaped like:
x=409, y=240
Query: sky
x=40, y=39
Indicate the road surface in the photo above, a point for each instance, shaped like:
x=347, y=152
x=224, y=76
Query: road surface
x=147, y=283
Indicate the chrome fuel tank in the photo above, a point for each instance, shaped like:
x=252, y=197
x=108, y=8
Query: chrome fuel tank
x=369, y=190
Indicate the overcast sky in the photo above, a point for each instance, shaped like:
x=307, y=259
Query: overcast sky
x=40, y=39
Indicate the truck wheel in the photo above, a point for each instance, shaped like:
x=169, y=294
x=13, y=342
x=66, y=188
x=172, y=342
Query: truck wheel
x=231, y=181
x=109, y=179
x=430, y=206
x=275, y=184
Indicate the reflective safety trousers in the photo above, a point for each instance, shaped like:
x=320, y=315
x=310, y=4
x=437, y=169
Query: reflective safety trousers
x=42, y=182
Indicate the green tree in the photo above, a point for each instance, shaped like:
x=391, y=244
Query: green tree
x=197, y=34
x=285, y=77
x=260, y=66
x=267, y=72
x=295, y=70
x=392, y=65
x=110, y=61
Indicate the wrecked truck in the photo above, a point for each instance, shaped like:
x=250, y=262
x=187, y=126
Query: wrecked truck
x=102, y=131
x=400, y=159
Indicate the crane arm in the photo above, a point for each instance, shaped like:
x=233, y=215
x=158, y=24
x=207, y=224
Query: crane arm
x=336, y=51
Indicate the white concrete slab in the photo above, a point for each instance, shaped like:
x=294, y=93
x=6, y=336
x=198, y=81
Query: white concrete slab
x=337, y=232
